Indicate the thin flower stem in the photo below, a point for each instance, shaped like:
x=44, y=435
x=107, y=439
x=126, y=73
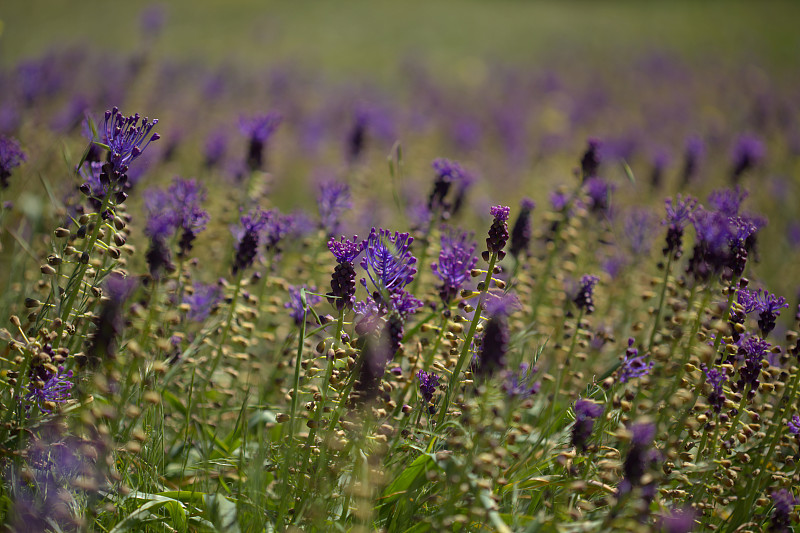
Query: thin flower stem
x=560, y=378
x=661, y=299
x=226, y=329
x=465, y=350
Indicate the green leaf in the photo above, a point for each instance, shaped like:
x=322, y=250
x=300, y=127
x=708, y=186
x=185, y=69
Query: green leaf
x=222, y=513
x=410, y=479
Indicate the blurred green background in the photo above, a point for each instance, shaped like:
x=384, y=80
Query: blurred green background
x=347, y=37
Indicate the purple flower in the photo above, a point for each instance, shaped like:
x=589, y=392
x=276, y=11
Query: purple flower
x=202, y=300
x=520, y=384
x=448, y=173
x=586, y=412
x=456, y=260
x=493, y=346
x=590, y=161
x=559, y=200
x=333, y=200
x=498, y=232
x=215, y=146
x=794, y=425
x=343, y=280
x=276, y=228
x=521, y=232
x=752, y=351
x=428, y=383
x=404, y=303
x=784, y=502
x=186, y=197
x=248, y=238
x=747, y=153
x=693, y=153
x=599, y=192
x=295, y=303
x=388, y=260
x=49, y=387
x=584, y=296
x=728, y=201
x=634, y=365
x=768, y=306
x=639, y=456
x=258, y=130
x=346, y=251
x=717, y=379
x=127, y=137
x=11, y=156
x=638, y=227
x=678, y=521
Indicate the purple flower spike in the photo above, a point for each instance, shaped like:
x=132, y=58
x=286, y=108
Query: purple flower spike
x=498, y=232
x=767, y=305
x=784, y=502
x=456, y=259
x=521, y=384
x=388, y=260
x=728, y=201
x=584, y=297
x=248, y=238
x=295, y=303
x=202, y=301
x=343, y=280
x=345, y=250
x=500, y=212
x=717, y=379
x=258, y=131
x=333, y=200
x=634, y=365
x=53, y=387
x=428, y=383
x=521, y=233
x=747, y=153
x=11, y=156
x=794, y=425
x=586, y=412
x=127, y=137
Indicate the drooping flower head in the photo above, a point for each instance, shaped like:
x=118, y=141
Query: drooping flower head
x=586, y=411
x=11, y=156
x=248, y=237
x=456, y=260
x=295, y=303
x=343, y=280
x=584, y=298
x=333, y=200
x=258, y=130
x=521, y=232
x=127, y=137
x=388, y=260
x=498, y=232
x=717, y=379
x=633, y=365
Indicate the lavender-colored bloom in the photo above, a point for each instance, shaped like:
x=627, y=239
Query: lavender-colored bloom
x=584, y=296
x=559, y=200
x=161, y=218
x=202, y=300
x=447, y=173
x=521, y=232
x=590, y=161
x=295, y=303
x=403, y=303
x=456, y=260
x=586, y=412
x=784, y=502
x=521, y=384
x=728, y=201
x=258, y=130
x=109, y=324
x=660, y=160
x=493, y=347
x=248, y=238
x=639, y=456
x=333, y=200
x=49, y=387
x=388, y=260
x=343, y=280
x=498, y=232
x=714, y=232
x=277, y=227
x=127, y=137
x=747, y=153
x=186, y=197
x=634, y=365
x=768, y=306
x=794, y=425
x=752, y=351
x=215, y=147
x=11, y=156
x=692, y=155
x=717, y=379
x=599, y=192
x=428, y=383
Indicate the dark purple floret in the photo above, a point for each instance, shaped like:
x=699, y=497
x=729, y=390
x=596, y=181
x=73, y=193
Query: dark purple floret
x=333, y=200
x=768, y=306
x=448, y=173
x=521, y=232
x=49, y=387
x=599, y=192
x=258, y=130
x=344, y=250
x=584, y=297
x=127, y=137
x=277, y=227
x=717, y=379
x=343, y=280
x=712, y=246
x=403, y=303
x=634, y=365
x=794, y=425
x=493, y=348
x=498, y=232
x=456, y=259
x=521, y=384
x=590, y=161
x=428, y=383
x=586, y=412
x=202, y=301
x=785, y=503
x=295, y=303
x=248, y=238
x=187, y=196
x=639, y=456
x=159, y=258
x=388, y=260
x=11, y=156
x=747, y=153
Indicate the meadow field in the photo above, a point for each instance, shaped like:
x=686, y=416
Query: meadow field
x=402, y=267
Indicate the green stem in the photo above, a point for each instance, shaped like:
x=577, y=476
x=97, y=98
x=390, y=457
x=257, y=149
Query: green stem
x=657, y=319
x=465, y=350
x=227, y=327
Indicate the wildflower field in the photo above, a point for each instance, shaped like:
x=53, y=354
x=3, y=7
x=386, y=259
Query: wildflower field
x=361, y=267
